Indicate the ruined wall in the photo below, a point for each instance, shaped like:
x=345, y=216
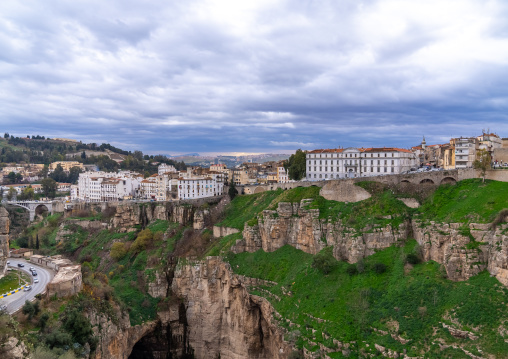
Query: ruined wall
x=304, y=230
x=219, y=231
x=67, y=282
x=222, y=317
x=4, y=240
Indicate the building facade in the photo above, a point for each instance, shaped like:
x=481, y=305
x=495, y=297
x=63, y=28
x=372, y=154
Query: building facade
x=357, y=162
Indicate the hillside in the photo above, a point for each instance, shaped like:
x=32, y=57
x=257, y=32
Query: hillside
x=338, y=279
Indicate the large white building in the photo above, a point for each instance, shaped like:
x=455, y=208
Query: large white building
x=106, y=186
x=465, y=151
x=357, y=162
x=208, y=185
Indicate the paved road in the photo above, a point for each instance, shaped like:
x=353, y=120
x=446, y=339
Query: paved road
x=16, y=301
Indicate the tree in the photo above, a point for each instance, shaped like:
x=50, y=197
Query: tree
x=49, y=187
x=11, y=193
x=44, y=172
x=12, y=177
x=324, y=261
x=37, y=243
x=232, y=192
x=482, y=162
x=28, y=309
x=6, y=135
x=118, y=251
x=296, y=165
x=83, y=155
x=27, y=194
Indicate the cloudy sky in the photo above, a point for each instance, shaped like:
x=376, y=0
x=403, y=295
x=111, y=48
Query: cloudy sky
x=253, y=76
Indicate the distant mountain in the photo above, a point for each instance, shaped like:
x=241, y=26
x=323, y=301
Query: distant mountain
x=187, y=155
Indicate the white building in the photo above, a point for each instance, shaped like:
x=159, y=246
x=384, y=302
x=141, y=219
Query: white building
x=148, y=188
x=282, y=175
x=210, y=185
x=357, y=162
x=108, y=186
x=164, y=168
x=465, y=151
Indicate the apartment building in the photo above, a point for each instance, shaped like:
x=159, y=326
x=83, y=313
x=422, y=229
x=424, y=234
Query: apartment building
x=465, y=151
x=282, y=175
x=164, y=168
x=148, y=187
x=194, y=187
x=107, y=186
x=357, y=162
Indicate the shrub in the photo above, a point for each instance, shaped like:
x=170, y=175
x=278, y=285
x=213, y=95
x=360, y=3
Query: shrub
x=324, y=261
x=352, y=270
x=118, y=251
x=412, y=258
x=143, y=239
x=360, y=266
x=28, y=309
x=379, y=268
x=296, y=354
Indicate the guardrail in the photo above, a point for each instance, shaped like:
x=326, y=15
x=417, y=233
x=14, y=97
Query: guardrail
x=12, y=292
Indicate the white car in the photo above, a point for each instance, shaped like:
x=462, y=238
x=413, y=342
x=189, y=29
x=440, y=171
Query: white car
x=36, y=280
x=27, y=288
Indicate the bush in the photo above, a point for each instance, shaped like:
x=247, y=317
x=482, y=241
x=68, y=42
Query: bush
x=118, y=251
x=296, y=354
x=324, y=261
x=352, y=270
x=412, y=258
x=28, y=309
x=379, y=268
x=142, y=240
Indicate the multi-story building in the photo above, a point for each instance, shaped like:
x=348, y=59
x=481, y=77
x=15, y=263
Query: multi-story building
x=164, y=168
x=465, y=151
x=357, y=162
x=148, y=187
x=66, y=165
x=282, y=175
x=201, y=186
x=108, y=186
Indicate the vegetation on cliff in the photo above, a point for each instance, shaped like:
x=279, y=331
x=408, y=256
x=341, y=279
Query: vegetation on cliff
x=409, y=301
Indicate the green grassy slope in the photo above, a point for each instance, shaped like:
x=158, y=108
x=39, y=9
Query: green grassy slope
x=417, y=300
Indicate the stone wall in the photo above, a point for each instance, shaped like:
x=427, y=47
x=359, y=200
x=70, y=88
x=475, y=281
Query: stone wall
x=4, y=240
x=500, y=154
x=497, y=175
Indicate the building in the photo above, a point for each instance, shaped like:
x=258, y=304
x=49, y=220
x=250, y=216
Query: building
x=148, y=188
x=107, y=186
x=354, y=162
x=201, y=186
x=164, y=168
x=282, y=175
x=66, y=165
x=465, y=151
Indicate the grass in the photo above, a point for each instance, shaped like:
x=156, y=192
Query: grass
x=223, y=245
x=244, y=208
x=466, y=201
x=352, y=305
x=11, y=281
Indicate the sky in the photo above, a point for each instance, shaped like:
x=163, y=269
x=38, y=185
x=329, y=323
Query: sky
x=262, y=76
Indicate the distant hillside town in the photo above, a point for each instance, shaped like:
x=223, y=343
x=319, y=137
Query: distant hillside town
x=351, y=162
x=132, y=176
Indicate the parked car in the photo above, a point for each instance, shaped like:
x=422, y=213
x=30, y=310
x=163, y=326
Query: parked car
x=21, y=265
x=8, y=262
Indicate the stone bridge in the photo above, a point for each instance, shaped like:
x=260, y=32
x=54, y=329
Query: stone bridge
x=419, y=178
x=33, y=207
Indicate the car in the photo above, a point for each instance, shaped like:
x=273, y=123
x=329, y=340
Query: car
x=32, y=268
x=36, y=280
x=8, y=262
x=3, y=308
x=27, y=288
x=21, y=265
x=34, y=273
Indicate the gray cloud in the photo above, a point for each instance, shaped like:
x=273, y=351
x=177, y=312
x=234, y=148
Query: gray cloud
x=211, y=76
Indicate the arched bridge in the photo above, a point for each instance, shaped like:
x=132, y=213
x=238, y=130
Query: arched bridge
x=418, y=178
x=33, y=207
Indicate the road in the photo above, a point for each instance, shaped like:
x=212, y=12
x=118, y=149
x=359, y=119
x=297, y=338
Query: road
x=16, y=301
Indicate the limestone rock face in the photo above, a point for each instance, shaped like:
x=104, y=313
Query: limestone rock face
x=447, y=244
x=344, y=191
x=301, y=228
x=116, y=340
x=223, y=318
x=13, y=349
x=4, y=240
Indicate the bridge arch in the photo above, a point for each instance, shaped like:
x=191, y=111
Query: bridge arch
x=259, y=190
x=448, y=180
x=41, y=209
x=405, y=181
x=427, y=181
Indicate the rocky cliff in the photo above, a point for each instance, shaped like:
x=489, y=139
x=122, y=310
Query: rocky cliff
x=465, y=250
x=4, y=240
x=224, y=320
x=303, y=229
